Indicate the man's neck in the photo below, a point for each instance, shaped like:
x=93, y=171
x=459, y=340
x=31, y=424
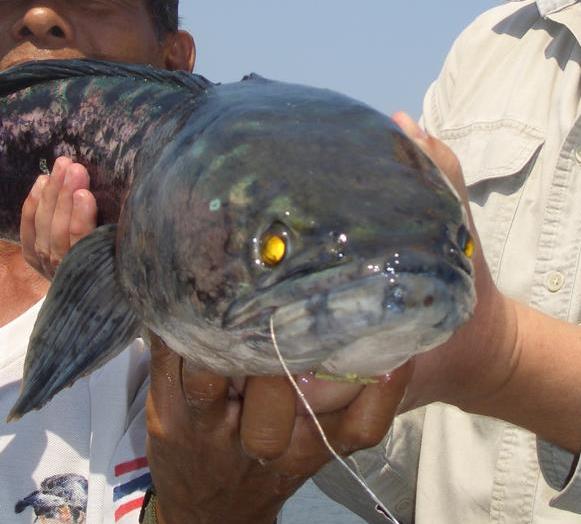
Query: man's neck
x=20, y=285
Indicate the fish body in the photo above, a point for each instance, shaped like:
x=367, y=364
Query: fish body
x=229, y=205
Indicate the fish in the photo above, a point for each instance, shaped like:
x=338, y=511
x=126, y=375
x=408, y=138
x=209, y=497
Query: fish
x=224, y=207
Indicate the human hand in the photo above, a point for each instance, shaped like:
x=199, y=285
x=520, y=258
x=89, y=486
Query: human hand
x=58, y=212
x=472, y=367
x=219, y=458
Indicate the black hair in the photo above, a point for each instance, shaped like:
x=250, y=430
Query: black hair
x=164, y=14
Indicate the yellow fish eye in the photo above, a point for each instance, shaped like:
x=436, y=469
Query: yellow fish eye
x=469, y=248
x=272, y=249
x=465, y=241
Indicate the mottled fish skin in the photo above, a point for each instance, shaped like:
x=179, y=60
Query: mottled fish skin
x=376, y=268
x=102, y=121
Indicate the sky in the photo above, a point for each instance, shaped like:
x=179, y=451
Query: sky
x=383, y=52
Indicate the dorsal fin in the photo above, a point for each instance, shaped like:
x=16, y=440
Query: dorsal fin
x=33, y=73
x=255, y=77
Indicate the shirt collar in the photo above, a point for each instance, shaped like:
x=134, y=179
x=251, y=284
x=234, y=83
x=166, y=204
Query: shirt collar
x=548, y=7
x=562, y=12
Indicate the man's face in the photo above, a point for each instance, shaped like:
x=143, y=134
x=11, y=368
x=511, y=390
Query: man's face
x=116, y=30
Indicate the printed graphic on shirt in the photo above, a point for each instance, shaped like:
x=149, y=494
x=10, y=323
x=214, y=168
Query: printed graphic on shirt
x=61, y=499
x=134, y=480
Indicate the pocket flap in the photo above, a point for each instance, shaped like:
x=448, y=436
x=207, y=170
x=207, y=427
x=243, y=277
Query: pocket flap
x=496, y=149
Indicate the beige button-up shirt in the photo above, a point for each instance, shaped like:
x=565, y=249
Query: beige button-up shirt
x=508, y=103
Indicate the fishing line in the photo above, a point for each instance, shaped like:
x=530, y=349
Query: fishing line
x=380, y=508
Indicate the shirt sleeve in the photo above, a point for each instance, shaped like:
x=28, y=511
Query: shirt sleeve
x=562, y=471
x=389, y=469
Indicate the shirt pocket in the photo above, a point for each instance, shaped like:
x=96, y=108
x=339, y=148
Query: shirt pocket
x=496, y=159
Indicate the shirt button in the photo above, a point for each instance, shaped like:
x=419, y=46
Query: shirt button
x=578, y=155
x=554, y=281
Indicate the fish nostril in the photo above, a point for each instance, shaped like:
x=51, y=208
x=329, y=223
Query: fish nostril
x=57, y=32
x=25, y=32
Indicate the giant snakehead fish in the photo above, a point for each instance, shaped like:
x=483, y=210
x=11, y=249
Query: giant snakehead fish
x=223, y=206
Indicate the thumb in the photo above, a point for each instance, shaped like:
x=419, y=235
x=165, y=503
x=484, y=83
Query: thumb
x=438, y=152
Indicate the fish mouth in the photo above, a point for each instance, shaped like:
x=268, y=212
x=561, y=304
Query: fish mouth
x=363, y=317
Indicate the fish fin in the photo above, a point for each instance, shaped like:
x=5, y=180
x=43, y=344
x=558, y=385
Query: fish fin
x=41, y=71
x=84, y=321
x=255, y=77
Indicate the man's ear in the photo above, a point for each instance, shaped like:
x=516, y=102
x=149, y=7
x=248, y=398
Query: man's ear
x=180, y=52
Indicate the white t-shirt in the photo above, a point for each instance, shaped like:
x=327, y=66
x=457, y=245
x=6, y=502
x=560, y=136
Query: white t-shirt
x=82, y=457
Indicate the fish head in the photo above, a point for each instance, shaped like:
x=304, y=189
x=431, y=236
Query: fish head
x=307, y=208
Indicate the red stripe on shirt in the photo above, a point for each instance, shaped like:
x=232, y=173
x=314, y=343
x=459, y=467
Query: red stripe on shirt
x=132, y=465
x=132, y=505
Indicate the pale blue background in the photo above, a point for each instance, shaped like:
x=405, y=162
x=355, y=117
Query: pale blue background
x=383, y=52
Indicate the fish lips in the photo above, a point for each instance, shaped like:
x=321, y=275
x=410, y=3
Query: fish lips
x=365, y=304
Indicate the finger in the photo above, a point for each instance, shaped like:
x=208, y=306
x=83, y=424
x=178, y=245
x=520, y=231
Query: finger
x=46, y=208
x=206, y=395
x=268, y=417
x=367, y=419
x=307, y=452
x=27, y=227
x=180, y=393
x=439, y=152
x=409, y=126
x=362, y=424
x=84, y=215
x=163, y=401
x=165, y=371
x=76, y=178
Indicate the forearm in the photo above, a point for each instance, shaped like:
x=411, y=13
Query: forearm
x=542, y=393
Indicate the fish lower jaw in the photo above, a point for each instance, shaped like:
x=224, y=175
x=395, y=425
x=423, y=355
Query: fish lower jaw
x=374, y=353
x=366, y=330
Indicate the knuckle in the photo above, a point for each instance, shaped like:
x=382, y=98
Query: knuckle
x=263, y=446
x=197, y=405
